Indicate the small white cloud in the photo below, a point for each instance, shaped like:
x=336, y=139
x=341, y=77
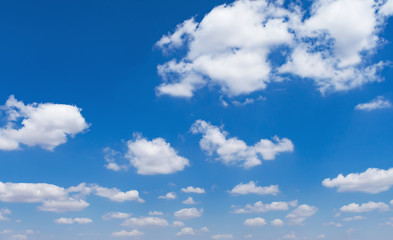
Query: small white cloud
x=254, y=222
x=321, y=236
x=168, y=196
x=186, y=231
x=178, y=224
x=46, y=125
x=154, y=157
x=251, y=188
x=260, y=207
x=248, y=236
x=204, y=230
x=331, y=223
x=156, y=213
x=391, y=202
x=3, y=212
x=189, y=201
x=123, y=233
x=191, y=189
x=354, y=218
x=277, y=222
x=232, y=151
x=365, y=207
x=291, y=235
x=116, y=195
x=222, y=236
x=115, y=215
x=145, y=222
x=73, y=220
x=188, y=213
x=300, y=214
x=377, y=103
x=373, y=180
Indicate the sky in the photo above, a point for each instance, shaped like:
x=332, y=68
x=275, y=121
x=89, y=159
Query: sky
x=247, y=119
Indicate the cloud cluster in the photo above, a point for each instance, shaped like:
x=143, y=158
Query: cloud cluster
x=191, y=189
x=115, y=215
x=188, y=213
x=230, y=47
x=145, y=222
x=124, y=233
x=73, y=220
x=300, y=214
x=47, y=125
x=3, y=212
x=58, y=199
x=254, y=222
x=373, y=180
x=365, y=207
x=233, y=151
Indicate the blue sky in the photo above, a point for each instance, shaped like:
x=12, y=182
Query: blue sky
x=196, y=120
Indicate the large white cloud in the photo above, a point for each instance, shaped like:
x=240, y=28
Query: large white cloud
x=67, y=205
x=252, y=188
x=188, y=213
x=365, y=207
x=260, y=207
x=300, y=214
x=145, y=222
x=229, y=48
x=373, y=180
x=45, y=124
x=154, y=157
x=233, y=151
x=377, y=103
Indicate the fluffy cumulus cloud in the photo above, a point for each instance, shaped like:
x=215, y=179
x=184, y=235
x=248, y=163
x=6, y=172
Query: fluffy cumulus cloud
x=73, y=220
x=189, y=201
x=233, y=151
x=191, y=189
x=186, y=231
x=365, y=207
x=188, y=213
x=260, y=207
x=145, y=222
x=373, y=180
x=277, y=222
x=58, y=199
x=300, y=214
x=46, y=125
x=124, y=233
x=252, y=188
x=154, y=157
x=254, y=222
x=377, y=103
x=168, y=196
x=115, y=215
x=178, y=224
x=230, y=47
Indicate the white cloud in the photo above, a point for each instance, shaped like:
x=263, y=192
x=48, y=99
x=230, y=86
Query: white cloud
x=156, y=213
x=331, y=223
x=71, y=221
x=377, y=103
x=116, y=195
x=188, y=213
x=186, y=231
x=154, y=157
x=230, y=47
x=189, y=201
x=248, y=236
x=354, y=218
x=254, y=222
x=391, y=202
x=321, y=236
x=67, y=205
x=45, y=124
x=178, y=224
x=3, y=212
x=30, y=192
x=365, y=207
x=248, y=188
x=260, y=207
x=232, y=151
x=300, y=214
x=115, y=215
x=191, y=189
x=168, y=196
x=277, y=222
x=291, y=235
x=222, y=236
x=123, y=233
x=373, y=180
x=145, y=222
